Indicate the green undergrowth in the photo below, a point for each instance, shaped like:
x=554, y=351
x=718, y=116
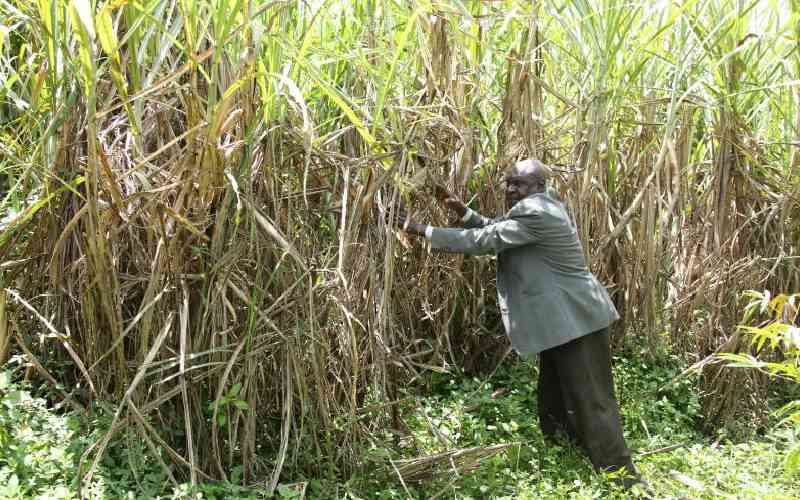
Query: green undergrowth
x=39, y=448
x=660, y=414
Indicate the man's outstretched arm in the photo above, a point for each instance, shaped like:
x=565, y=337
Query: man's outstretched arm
x=473, y=219
x=480, y=235
x=489, y=239
x=492, y=238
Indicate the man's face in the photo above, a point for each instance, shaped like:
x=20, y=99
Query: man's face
x=518, y=187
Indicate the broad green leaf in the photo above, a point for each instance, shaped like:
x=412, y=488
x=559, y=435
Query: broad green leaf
x=45, y=16
x=792, y=464
x=401, y=45
x=84, y=11
x=105, y=31
x=3, y=35
x=235, y=390
x=300, y=58
x=341, y=102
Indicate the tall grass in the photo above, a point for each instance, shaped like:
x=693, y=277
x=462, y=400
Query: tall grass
x=191, y=193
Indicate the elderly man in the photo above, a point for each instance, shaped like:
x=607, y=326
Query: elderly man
x=551, y=304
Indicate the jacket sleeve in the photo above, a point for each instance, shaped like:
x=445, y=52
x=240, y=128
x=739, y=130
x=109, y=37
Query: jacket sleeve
x=473, y=219
x=492, y=238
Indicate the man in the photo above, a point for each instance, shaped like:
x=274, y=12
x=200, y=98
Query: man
x=551, y=304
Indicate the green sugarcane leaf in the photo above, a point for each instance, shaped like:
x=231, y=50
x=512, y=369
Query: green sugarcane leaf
x=105, y=31
x=84, y=13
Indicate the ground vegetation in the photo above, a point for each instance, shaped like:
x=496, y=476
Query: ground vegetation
x=192, y=224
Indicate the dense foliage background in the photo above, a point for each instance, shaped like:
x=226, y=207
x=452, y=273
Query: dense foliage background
x=191, y=195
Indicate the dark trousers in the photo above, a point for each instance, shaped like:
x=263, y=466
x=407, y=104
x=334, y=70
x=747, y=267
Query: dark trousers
x=576, y=396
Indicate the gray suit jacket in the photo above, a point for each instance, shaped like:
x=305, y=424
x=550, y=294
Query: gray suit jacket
x=547, y=295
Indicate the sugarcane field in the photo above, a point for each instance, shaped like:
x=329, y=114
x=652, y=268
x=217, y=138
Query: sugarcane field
x=399, y=249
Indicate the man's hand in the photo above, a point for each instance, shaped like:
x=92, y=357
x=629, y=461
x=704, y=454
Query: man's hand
x=402, y=221
x=450, y=201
